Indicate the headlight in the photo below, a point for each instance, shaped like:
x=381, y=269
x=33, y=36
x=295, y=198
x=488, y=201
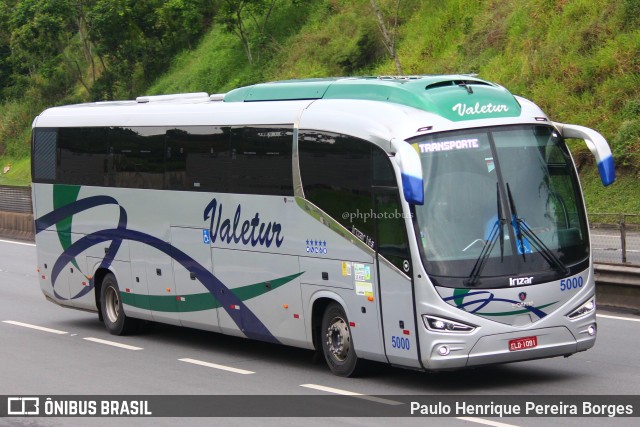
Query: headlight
x=439, y=324
x=586, y=308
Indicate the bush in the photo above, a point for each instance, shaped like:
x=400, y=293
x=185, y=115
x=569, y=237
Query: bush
x=626, y=144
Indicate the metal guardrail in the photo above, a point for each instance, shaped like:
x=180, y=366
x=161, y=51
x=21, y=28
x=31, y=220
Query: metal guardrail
x=615, y=238
x=16, y=213
x=15, y=199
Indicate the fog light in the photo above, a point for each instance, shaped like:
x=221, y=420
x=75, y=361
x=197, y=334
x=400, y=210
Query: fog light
x=443, y=350
x=591, y=330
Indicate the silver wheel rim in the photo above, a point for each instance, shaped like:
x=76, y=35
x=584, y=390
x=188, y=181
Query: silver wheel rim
x=112, y=304
x=338, y=339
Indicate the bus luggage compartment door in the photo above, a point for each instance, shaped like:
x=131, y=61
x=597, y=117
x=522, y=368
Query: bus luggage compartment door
x=197, y=307
x=268, y=285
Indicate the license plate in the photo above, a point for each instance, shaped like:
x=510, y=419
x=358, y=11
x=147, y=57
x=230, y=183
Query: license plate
x=523, y=343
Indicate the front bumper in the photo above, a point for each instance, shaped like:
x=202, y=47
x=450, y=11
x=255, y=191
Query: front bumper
x=492, y=349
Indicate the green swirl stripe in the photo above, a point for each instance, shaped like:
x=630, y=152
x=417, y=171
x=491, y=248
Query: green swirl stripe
x=203, y=301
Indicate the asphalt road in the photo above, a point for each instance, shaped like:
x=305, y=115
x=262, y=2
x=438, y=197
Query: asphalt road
x=69, y=359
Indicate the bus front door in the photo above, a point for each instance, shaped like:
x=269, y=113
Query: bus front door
x=394, y=279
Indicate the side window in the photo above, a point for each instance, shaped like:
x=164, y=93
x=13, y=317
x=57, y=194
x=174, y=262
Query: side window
x=83, y=156
x=391, y=230
x=383, y=173
x=197, y=159
x=261, y=160
x=336, y=172
x=43, y=155
x=138, y=157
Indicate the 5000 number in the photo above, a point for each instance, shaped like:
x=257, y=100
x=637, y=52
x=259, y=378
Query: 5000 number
x=571, y=283
x=400, y=342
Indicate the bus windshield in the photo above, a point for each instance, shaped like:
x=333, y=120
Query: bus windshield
x=502, y=207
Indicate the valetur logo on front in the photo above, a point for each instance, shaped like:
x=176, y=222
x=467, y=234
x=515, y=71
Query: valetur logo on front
x=464, y=109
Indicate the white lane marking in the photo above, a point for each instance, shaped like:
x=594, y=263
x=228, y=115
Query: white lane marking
x=17, y=243
x=485, y=422
x=215, y=366
x=39, y=328
x=114, y=344
x=618, y=318
x=393, y=402
x=351, y=393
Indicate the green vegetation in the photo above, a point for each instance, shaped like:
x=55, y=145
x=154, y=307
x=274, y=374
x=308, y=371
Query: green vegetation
x=619, y=197
x=578, y=59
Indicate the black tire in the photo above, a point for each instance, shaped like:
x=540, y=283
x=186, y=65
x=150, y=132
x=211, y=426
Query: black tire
x=337, y=344
x=116, y=322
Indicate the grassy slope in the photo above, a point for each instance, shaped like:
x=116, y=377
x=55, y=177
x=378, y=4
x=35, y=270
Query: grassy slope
x=576, y=59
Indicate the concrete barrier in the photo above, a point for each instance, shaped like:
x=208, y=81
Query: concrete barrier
x=618, y=286
x=17, y=225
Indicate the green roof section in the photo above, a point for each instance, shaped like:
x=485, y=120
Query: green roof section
x=454, y=97
x=281, y=91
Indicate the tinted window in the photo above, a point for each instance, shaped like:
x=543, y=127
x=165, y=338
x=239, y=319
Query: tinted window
x=383, y=173
x=83, y=156
x=391, y=230
x=138, y=157
x=198, y=158
x=261, y=160
x=336, y=172
x=43, y=155
x=249, y=160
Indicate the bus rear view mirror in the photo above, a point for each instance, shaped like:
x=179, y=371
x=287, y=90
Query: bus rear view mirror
x=598, y=147
x=408, y=160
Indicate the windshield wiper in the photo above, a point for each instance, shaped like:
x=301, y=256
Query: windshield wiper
x=515, y=221
x=522, y=227
x=496, y=230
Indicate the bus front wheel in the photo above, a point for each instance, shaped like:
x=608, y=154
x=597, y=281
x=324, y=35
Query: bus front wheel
x=116, y=322
x=337, y=344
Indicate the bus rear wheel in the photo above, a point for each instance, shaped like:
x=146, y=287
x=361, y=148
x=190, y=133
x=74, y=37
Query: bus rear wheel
x=116, y=322
x=337, y=344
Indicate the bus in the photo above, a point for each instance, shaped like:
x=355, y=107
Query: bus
x=428, y=222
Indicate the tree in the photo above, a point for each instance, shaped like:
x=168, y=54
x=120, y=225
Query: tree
x=389, y=37
x=185, y=20
x=82, y=10
x=40, y=29
x=135, y=39
x=40, y=32
x=6, y=67
x=247, y=19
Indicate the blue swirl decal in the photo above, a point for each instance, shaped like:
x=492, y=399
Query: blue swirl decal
x=245, y=319
x=483, y=298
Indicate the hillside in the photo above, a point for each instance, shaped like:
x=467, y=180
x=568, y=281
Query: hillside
x=578, y=59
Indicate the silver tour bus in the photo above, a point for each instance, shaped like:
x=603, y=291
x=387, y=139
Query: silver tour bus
x=428, y=222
